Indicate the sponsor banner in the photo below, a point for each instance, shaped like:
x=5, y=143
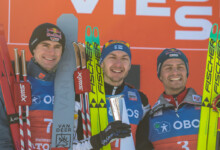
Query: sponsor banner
x=148, y=26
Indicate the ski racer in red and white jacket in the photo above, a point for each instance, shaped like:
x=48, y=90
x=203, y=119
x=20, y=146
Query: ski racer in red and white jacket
x=173, y=122
x=172, y=127
x=47, y=45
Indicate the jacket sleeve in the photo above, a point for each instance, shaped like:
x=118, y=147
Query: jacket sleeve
x=142, y=134
x=144, y=99
x=6, y=141
x=145, y=103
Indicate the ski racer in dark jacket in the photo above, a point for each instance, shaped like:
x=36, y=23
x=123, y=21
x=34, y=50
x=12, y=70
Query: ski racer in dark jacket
x=173, y=122
x=47, y=44
x=115, y=62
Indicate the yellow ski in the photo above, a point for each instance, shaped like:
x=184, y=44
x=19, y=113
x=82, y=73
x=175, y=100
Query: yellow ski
x=208, y=118
x=97, y=100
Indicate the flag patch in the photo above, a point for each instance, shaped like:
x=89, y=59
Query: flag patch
x=132, y=96
x=196, y=98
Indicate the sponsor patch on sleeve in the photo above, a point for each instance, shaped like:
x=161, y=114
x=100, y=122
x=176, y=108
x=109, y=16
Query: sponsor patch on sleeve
x=132, y=96
x=196, y=98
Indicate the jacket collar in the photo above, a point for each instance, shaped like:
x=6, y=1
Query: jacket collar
x=34, y=70
x=191, y=98
x=175, y=99
x=113, y=90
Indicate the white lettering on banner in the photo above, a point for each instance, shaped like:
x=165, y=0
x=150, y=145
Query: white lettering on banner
x=142, y=8
x=119, y=7
x=192, y=0
x=83, y=6
x=48, y=99
x=186, y=124
x=180, y=17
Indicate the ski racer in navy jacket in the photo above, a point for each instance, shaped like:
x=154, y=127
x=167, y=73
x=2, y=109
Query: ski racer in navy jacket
x=47, y=44
x=115, y=62
x=173, y=122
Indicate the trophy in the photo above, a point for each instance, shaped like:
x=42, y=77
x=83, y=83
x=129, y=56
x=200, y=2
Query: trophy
x=115, y=106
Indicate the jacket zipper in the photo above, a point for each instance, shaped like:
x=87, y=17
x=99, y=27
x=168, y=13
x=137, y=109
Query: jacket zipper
x=176, y=108
x=114, y=90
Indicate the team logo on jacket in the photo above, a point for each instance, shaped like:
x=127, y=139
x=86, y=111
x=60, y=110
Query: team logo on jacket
x=36, y=99
x=132, y=96
x=162, y=127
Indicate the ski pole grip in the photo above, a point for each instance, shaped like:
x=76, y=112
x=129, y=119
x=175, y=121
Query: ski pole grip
x=22, y=90
x=77, y=54
x=82, y=54
x=23, y=62
x=17, y=68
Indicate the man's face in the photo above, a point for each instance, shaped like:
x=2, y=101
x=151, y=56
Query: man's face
x=115, y=67
x=47, y=54
x=173, y=76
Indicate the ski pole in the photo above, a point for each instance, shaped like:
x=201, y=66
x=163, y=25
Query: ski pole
x=83, y=62
x=28, y=89
x=17, y=74
x=22, y=94
x=79, y=86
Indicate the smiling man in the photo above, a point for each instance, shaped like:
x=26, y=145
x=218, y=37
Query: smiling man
x=115, y=62
x=47, y=54
x=173, y=122
x=47, y=44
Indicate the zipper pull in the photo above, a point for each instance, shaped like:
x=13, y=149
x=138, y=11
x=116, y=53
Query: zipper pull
x=176, y=107
x=177, y=112
x=114, y=90
x=176, y=101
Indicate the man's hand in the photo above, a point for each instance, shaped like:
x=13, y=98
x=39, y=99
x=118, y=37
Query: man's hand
x=113, y=131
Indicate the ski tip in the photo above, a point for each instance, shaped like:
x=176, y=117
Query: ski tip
x=95, y=32
x=219, y=35
x=88, y=31
x=214, y=32
x=214, y=28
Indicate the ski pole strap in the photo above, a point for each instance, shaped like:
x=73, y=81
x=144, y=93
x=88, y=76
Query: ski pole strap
x=22, y=93
x=82, y=81
x=13, y=118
